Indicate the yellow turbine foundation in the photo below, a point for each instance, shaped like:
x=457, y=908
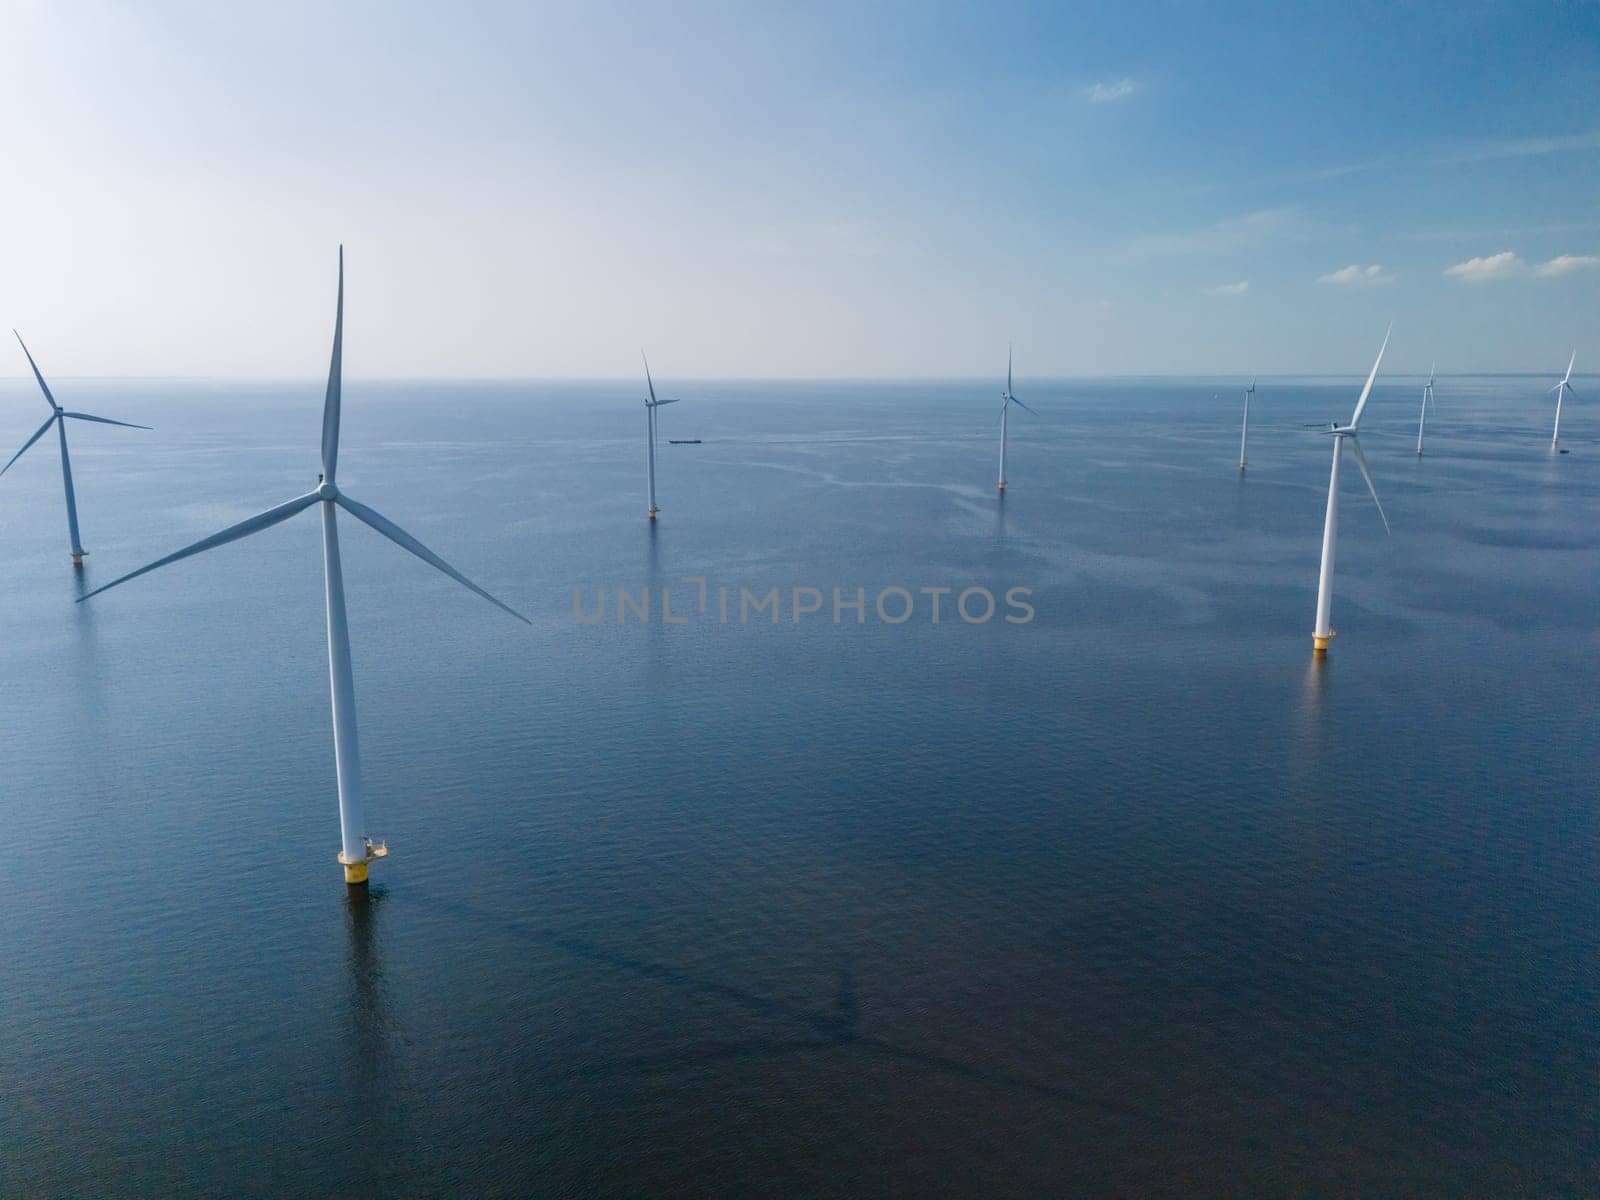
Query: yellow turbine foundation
x=77, y=560
x=653, y=513
x=356, y=872
x=1320, y=644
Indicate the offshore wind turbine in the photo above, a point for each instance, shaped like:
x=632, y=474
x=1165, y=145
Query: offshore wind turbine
x=1006, y=401
x=1427, y=399
x=650, y=406
x=1330, y=529
x=1561, y=390
x=58, y=418
x=356, y=849
x=1244, y=428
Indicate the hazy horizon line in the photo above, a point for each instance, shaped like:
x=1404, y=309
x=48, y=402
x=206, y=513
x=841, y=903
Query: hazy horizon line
x=987, y=380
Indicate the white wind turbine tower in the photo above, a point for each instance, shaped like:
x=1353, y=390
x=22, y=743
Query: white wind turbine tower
x=1006, y=401
x=1330, y=530
x=1244, y=428
x=58, y=418
x=650, y=407
x=1563, y=389
x=1427, y=399
x=356, y=850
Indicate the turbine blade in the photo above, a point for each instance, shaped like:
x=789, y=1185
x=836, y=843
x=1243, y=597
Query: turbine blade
x=1003, y=404
x=674, y=400
x=406, y=542
x=330, y=405
x=1367, y=391
x=1564, y=379
x=650, y=383
x=1022, y=406
x=1008, y=368
x=43, y=386
x=105, y=420
x=233, y=533
x=1361, y=461
x=43, y=429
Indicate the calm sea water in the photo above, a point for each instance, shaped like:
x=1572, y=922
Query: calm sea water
x=1133, y=897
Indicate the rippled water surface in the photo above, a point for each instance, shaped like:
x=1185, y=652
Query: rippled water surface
x=1131, y=897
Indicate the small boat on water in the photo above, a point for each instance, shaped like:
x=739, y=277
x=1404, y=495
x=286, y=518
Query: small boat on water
x=683, y=441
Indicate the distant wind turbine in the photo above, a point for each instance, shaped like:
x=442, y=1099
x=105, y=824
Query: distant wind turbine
x=1244, y=428
x=1427, y=399
x=357, y=850
x=650, y=407
x=1562, y=389
x=1006, y=401
x=1330, y=530
x=58, y=418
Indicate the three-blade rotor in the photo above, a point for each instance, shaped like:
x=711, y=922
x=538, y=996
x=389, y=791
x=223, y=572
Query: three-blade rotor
x=326, y=492
x=1007, y=397
x=1347, y=433
x=1565, y=386
x=650, y=383
x=57, y=413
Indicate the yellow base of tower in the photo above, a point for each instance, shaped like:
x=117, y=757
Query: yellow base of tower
x=356, y=872
x=1320, y=644
x=653, y=513
x=1002, y=485
x=77, y=560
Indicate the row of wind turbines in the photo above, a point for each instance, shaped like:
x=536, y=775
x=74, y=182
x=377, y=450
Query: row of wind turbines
x=1348, y=436
x=1342, y=435
x=357, y=851
x=1561, y=390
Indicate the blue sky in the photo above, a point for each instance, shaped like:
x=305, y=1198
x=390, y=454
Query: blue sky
x=801, y=190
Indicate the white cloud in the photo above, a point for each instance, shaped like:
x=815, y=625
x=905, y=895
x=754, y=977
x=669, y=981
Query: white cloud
x=1495, y=266
x=1357, y=274
x=1116, y=89
x=1229, y=289
x=1563, y=264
